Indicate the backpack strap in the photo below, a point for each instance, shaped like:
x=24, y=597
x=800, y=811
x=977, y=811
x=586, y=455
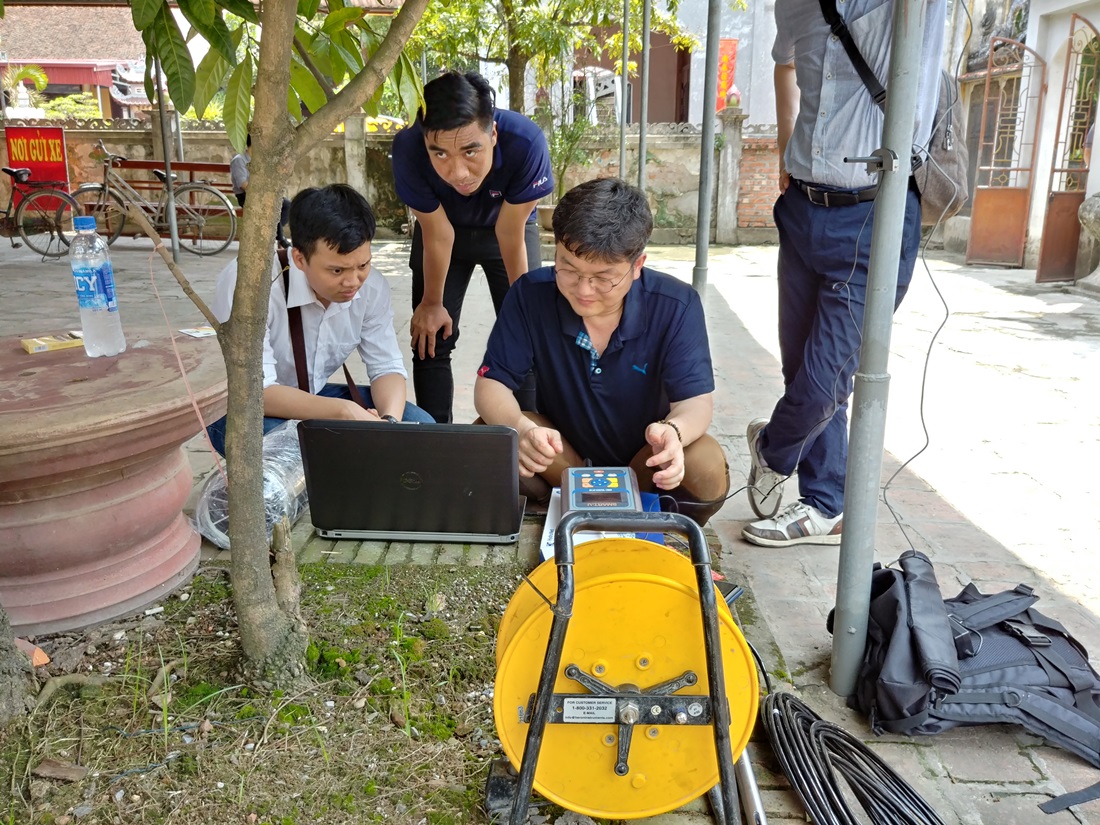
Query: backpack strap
x=298, y=341
x=840, y=29
x=294, y=318
x=1068, y=800
x=987, y=611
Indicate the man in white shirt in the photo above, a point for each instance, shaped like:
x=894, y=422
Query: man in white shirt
x=344, y=305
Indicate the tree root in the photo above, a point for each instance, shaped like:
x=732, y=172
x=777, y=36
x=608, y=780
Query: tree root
x=55, y=683
x=162, y=677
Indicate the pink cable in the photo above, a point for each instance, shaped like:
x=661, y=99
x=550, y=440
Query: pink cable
x=183, y=370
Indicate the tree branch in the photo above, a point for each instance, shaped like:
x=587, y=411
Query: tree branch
x=307, y=61
x=363, y=86
x=138, y=216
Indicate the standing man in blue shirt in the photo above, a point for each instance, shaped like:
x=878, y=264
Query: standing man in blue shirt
x=824, y=215
x=621, y=359
x=472, y=175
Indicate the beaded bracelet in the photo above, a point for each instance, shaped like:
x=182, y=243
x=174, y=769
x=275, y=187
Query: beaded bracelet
x=674, y=427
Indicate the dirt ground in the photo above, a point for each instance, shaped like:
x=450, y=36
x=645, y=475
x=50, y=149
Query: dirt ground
x=145, y=722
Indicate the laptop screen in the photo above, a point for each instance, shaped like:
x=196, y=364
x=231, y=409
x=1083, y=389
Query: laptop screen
x=412, y=482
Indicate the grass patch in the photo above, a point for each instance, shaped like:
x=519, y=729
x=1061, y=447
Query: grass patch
x=396, y=725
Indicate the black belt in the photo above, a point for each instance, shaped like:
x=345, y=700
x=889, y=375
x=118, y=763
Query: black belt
x=834, y=197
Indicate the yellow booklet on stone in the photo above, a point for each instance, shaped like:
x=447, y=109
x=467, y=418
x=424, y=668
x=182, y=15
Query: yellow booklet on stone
x=46, y=343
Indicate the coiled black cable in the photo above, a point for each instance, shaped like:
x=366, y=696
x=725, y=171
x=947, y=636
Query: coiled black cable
x=816, y=755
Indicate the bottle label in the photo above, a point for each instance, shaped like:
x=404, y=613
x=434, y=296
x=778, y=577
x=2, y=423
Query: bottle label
x=95, y=287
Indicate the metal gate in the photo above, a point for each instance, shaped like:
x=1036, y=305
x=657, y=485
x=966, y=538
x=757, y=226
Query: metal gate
x=1069, y=171
x=1015, y=84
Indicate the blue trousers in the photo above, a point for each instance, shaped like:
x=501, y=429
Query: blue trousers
x=216, y=431
x=823, y=259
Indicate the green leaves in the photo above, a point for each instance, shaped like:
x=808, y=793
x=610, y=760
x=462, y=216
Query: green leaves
x=206, y=19
x=340, y=19
x=208, y=79
x=306, y=87
x=175, y=59
x=241, y=8
x=144, y=13
x=238, y=103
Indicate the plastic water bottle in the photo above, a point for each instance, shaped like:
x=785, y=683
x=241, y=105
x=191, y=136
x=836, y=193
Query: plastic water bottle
x=95, y=291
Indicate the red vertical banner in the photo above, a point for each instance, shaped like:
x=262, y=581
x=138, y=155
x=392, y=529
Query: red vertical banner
x=727, y=65
x=40, y=149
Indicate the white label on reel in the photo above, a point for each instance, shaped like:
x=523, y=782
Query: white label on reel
x=583, y=709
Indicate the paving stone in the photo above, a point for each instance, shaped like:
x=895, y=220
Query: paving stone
x=1002, y=759
x=341, y=552
x=1068, y=772
x=477, y=555
x=370, y=552
x=451, y=554
x=398, y=552
x=1018, y=809
x=782, y=804
x=423, y=553
x=314, y=550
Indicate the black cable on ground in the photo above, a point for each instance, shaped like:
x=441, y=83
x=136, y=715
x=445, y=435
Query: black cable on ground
x=816, y=755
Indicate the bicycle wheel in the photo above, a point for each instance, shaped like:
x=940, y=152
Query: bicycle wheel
x=205, y=220
x=43, y=218
x=106, y=207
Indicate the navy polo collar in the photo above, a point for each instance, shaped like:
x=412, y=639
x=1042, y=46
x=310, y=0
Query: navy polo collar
x=632, y=324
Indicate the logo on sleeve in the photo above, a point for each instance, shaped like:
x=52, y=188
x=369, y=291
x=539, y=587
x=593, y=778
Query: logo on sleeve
x=493, y=193
x=483, y=370
x=540, y=182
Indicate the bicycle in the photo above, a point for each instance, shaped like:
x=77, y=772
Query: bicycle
x=204, y=216
x=44, y=216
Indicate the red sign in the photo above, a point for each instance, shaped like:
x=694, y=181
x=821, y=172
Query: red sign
x=40, y=149
x=727, y=66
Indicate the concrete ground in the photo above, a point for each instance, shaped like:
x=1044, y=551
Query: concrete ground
x=1002, y=431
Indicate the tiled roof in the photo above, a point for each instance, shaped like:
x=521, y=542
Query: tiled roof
x=29, y=33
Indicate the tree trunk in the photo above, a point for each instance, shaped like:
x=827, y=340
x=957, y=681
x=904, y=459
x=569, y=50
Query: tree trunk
x=516, y=60
x=273, y=639
x=273, y=635
x=16, y=679
x=517, y=74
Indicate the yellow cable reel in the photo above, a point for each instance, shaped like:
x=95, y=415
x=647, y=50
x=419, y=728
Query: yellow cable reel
x=636, y=626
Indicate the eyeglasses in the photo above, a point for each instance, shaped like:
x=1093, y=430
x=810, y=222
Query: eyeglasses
x=571, y=278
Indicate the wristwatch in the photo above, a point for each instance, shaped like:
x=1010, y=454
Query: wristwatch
x=391, y=419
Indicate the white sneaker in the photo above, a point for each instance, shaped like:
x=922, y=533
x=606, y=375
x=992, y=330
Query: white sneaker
x=765, y=485
x=799, y=523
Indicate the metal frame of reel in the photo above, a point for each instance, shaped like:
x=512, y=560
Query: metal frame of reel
x=724, y=797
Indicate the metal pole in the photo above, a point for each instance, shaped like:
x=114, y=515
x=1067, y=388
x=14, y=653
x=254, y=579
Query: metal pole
x=177, y=125
x=424, y=68
x=706, y=152
x=170, y=203
x=643, y=112
x=623, y=89
x=872, y=381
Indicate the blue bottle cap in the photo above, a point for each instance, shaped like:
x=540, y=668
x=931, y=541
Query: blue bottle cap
x=84, y=222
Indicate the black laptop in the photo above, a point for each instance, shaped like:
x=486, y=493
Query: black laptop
x=412, y=482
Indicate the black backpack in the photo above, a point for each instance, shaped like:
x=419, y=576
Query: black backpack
x=932, y=664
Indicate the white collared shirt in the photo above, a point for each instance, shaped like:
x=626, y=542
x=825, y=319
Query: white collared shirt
x=331, y=334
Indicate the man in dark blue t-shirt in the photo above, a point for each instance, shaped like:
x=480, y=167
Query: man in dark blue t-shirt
x=621, y=357
x=472, y=175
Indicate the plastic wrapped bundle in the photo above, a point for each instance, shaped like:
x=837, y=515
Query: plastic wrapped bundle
x=284, y=488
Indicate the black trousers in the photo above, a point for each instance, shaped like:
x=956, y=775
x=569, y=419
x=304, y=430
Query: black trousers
x=433, y=381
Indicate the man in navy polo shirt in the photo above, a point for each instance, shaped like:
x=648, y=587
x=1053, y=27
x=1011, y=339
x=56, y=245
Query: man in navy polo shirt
x=621, y=359
x=472, y=175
